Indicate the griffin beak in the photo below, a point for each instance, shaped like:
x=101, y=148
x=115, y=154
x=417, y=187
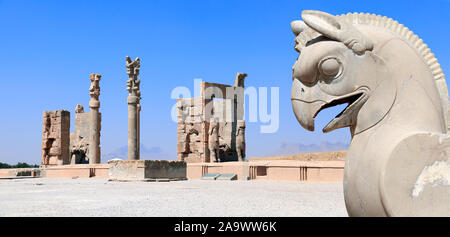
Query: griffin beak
x=305, y=112
x=307, y=102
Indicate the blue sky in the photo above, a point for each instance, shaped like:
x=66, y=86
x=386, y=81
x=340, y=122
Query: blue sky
x=49, y=48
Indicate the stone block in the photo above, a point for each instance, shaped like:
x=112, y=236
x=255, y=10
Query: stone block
x=212, y=176
x=227, y=177
x=144, y=170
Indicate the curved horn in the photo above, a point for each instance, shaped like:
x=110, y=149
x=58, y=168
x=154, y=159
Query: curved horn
x=333, y=28
x=323, y=23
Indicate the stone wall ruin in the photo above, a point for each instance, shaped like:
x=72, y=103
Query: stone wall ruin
x=79, y=140
x=59, y=146
x=55, y=137
x=211, y=127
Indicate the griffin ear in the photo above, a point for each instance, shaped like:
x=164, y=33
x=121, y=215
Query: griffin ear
x=297, y=27
x=323, y=23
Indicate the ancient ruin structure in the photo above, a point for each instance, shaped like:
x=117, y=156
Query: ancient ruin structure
x=211, y=127
x=398, y=163
x=79, y=141
x=60, y=147
x=94, y=104
x=240, y=140
x=55, y=137
x=134, y=107
x=85, y=142
x=213, y=140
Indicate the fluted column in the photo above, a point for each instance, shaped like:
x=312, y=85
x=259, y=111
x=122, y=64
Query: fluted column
x=133, y=100
x=94, y=105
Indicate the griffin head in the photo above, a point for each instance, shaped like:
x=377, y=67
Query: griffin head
x=336, y=66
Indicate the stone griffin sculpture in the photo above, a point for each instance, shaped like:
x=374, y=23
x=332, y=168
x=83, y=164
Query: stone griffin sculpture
x=398, y=163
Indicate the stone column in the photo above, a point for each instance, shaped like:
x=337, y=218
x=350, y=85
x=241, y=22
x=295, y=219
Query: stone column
x=94, y=135
x=139, y=130
x=133, y=100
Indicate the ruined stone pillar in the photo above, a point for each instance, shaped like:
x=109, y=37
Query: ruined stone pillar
x=94, y=104
x=56, y=138
x=133, y=100
x=139, y=130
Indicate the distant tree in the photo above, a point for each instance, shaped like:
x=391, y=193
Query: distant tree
x=4, y=166
x=19, y=165
x=22, y=165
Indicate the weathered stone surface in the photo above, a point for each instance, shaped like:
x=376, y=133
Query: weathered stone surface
x=240, y=140
x=198, y=140
x=134, y=108
x=124, y=170
x=21, y=173
x=230, y=176
x=94, y=119
x=398, y=161
x=56, y=137
x=79, y=140
x=210, y=176
x=213, y=140
x=85, y=142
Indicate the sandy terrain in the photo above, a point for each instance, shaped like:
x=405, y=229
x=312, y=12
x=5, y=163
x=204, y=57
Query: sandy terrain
x=98, y=197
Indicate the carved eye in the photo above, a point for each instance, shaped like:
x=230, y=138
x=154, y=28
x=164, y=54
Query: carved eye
x=330, y=67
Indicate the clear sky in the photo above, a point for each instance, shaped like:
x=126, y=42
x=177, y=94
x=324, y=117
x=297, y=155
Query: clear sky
x=49, y=48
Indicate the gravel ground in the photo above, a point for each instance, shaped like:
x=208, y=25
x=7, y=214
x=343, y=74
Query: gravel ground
x=98, y=197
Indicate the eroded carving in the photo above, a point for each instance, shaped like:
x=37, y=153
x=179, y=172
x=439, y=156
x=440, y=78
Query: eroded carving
x=217, y=119
x=55, y=137
x=240, y=140
x=213, y=140
x=134, y=107
x=85, y=141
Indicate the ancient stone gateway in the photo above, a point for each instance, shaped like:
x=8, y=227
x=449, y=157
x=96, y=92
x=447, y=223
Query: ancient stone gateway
x=59, y=146
x=85, y=142
x=398, y=163
x=211, y=127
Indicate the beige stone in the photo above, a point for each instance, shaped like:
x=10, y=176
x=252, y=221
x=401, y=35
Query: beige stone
x=56, y=137
x=276, y=170
x=76, y=171
x=85, y=142
x=397, y=110
x=223, y=139
x=134, y=107
x=79, y=140
x=142, y=170
x=94, y=105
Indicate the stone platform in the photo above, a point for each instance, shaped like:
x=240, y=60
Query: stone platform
x=160, y=171
x=277, y=170
x=146, y=170
x=59, y=171
x=20, y=172
x=76, y=171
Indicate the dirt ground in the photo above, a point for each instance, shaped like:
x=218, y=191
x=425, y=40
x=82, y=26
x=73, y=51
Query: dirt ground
x=197, y=198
